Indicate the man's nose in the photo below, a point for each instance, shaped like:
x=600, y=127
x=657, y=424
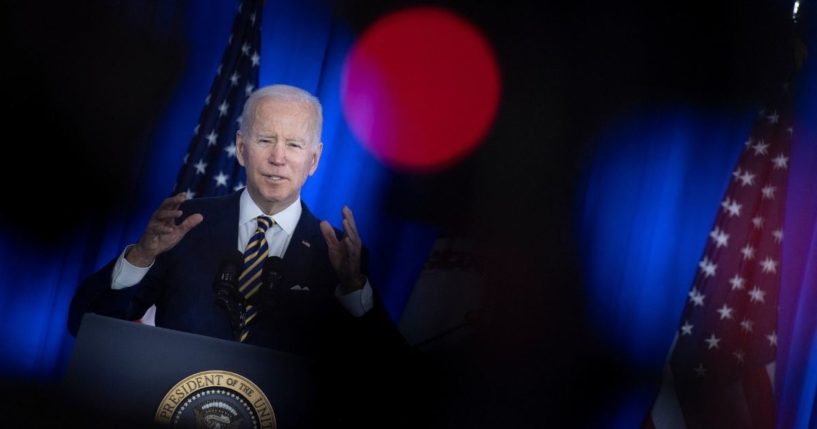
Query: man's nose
x=277, y=154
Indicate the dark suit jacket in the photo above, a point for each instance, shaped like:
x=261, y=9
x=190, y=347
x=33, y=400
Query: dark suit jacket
x=306, y=317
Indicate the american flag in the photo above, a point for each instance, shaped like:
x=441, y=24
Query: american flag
x=210, y=165
x=721, y=370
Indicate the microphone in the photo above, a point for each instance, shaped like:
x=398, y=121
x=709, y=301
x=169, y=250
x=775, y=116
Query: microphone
x=227, y=296
x=270, y=282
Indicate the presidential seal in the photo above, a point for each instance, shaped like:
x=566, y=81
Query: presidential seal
x=216, y=400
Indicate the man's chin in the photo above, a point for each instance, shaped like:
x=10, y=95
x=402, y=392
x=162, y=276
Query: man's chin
x=273, y=199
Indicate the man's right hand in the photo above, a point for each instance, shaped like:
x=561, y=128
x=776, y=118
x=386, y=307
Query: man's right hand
x=162, y=233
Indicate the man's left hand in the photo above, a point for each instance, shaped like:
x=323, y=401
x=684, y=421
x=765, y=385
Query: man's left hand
x=345, y=254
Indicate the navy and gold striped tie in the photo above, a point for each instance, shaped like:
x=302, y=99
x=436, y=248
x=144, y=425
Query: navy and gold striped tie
x=249, y=282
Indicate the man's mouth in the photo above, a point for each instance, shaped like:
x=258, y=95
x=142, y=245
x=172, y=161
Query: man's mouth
x=274, y=178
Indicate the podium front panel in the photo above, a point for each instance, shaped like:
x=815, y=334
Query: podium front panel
x=120, y=372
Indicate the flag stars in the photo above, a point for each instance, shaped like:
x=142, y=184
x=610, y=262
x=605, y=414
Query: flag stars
x=739, y=355
x=708, y=267
x=712, y=342
x=696, y=297
x=757, y=295
x=700, y=371
x=736, y=174
x=221, y=179
x=211, y=138
x=772, y=338
x=778, y=235
x=732, y=207
x=186, y=156
x=737, y=282
x=230, y=150
x=790, y=131
x=720, y=238
x=780, y=162
x=200, y=166
x=768, y=192
x=748, y=252
x=725, y=312
x=773, y=118
x=769, y=265
x=687, y=328
x=208, y=162
x=761, y=148
x=747, y=178
x=757, y=221
x=747, y=325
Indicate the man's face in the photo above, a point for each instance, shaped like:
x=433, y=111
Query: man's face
x=278, y=152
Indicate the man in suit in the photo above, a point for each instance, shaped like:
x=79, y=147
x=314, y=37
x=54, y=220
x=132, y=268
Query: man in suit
x=323, y=305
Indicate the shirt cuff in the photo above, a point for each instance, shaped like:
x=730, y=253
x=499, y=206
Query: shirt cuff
x=357, y=302
x=126, y=274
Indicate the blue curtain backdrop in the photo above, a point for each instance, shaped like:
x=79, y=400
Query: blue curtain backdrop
x=797, y=379
x=303, y=44
x=651, y=196
x=651, y=191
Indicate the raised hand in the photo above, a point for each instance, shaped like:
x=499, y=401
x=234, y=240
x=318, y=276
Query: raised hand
x=162, y=233
x=345, y=254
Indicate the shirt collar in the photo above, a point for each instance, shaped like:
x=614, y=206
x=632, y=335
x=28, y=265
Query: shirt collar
x=286, y=218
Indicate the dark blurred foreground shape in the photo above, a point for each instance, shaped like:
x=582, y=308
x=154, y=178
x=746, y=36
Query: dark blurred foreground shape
x=529, y=358
x=84, y=83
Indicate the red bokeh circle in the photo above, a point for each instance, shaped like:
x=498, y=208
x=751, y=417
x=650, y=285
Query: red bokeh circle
x=420, y=88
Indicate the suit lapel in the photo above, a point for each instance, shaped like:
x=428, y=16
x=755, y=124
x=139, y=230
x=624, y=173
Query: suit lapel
x=223, y=225
x=304, y=244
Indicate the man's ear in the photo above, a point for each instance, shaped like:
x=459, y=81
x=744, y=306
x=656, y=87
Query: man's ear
x=239, y=148
x=316, y=157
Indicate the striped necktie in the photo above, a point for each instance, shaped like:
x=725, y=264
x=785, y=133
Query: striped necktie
x=250, y=279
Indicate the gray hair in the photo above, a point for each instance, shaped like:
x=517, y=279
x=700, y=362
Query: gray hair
x=282, y=93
